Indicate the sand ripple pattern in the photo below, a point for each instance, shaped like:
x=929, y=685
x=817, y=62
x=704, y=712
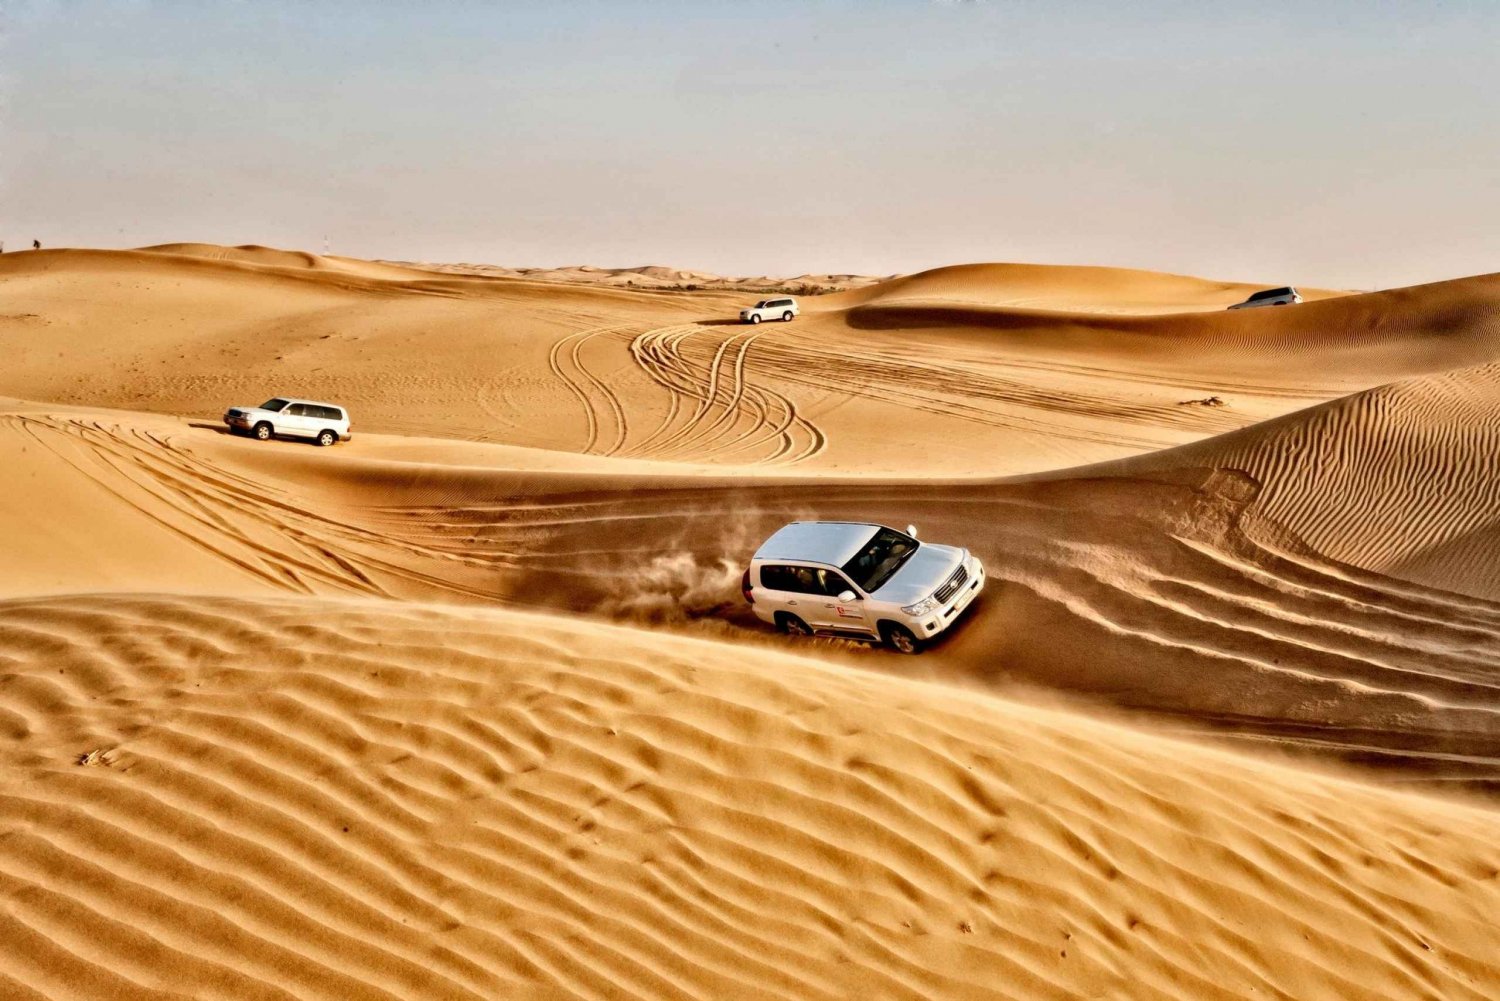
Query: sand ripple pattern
x=362, y=799
x=1403, y=479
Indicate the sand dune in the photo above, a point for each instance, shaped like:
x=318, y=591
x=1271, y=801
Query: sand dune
x=1403, y=479
x=654, y=276
x=353, y=799
x=880, y=384
x=1064, y=288
x=471, y=706
x=1164, y=590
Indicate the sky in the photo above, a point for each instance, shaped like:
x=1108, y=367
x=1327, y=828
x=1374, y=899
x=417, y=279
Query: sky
x=1350, y=145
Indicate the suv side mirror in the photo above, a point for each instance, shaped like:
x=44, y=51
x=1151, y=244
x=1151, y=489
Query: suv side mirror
x=846, y=596
x=911, y=530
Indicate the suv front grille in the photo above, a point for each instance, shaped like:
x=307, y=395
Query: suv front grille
x=951, y=585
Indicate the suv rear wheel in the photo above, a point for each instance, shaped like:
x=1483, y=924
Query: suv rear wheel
x=900, y=639
x=327, y=437
x=791, y=625
x=786, y=317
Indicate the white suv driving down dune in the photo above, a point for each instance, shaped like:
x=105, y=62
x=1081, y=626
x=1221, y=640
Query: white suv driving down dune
x=325, y=423
x=840, y=578
x=770, y=309
x=1284, y=296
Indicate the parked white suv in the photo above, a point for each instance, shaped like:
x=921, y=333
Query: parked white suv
x=770, y=309
x=325, y=423
x=839, y=578
x=1284, y=296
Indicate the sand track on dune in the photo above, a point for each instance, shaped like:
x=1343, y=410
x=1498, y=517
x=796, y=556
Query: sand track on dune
x=715, y=410
x=349, y=799
x=1162, y=593
x=752, y=416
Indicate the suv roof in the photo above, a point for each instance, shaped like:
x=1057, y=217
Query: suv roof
x=303, y=399
x=1272, y=293
x=831, y=542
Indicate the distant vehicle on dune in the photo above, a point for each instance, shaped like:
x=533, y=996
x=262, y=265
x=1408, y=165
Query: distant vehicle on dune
x=839, y=578
x=324, y=423
x=1284, y=296
x=770, y=309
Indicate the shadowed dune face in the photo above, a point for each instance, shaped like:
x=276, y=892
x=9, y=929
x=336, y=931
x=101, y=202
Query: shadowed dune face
x=471, y=706
x=353, y=799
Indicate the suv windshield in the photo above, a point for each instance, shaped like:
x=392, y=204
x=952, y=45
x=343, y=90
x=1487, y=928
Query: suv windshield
x=275, y=406
x=881, y=557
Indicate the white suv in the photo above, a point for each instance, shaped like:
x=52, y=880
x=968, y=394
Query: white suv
x=1284, y=296
x=839, y=578
x=770, y=309
x=325, y=423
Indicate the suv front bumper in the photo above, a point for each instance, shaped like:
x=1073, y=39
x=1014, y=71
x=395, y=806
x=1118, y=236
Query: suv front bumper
x=935, y=622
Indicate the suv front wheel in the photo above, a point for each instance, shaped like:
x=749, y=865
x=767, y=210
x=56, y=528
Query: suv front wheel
x=900, y=639
x=263, y=431
x=754, y=317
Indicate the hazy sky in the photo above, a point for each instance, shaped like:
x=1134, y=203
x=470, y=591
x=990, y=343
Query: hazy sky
x=1347, y=144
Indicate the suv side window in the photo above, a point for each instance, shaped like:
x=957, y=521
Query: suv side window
x=329, y=413
x=835, y=583
x=297, y=410
x=797, y=580
x=778, y=578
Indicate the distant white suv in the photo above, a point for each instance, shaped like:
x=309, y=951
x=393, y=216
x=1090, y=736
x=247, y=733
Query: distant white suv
x=1284, y=296
x=325, y=423
x=839, y=578
x=770, y=309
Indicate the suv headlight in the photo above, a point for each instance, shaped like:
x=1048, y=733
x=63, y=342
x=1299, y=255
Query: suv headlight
x=920, y=608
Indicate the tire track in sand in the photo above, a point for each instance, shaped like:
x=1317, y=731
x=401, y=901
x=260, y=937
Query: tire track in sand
x=749, y=415
x=566, y=362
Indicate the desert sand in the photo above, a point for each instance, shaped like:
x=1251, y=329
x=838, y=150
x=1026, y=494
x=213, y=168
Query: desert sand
x=470, y=705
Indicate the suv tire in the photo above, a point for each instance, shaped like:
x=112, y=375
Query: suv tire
x=900, y=639
x=786, y=317
x=263, y=431
x=791, y=625
x=754, y=317
x=327, y=437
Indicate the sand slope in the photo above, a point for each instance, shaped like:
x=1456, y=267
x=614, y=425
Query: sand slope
x=1162, y=590
x=471, y=706
x=1403, y=479
x=353, y=799
x=953, y=380
x=1063, y=288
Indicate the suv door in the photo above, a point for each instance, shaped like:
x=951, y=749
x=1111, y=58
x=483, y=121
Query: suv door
x=831, y=612
x=296, y=419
